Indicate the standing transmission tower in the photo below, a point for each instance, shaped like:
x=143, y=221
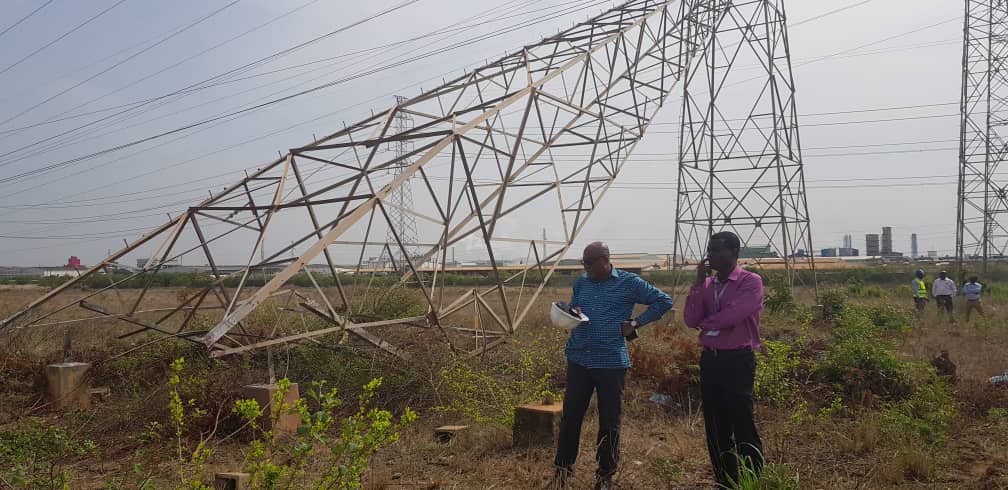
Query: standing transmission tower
x=400, y=203
x=740, y=166
x=980, y=233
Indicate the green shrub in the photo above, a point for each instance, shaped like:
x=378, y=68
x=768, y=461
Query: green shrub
x=489, y=394
x=776, y=372
x=35, y=455
x=344, y=447
x=861, y=358
x=832, y=304
x=778, y=296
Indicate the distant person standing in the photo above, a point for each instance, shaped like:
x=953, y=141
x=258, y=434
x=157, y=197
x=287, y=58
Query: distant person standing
x=944, y=289
x=971, y=290
x=724, y=304
x=920, y=294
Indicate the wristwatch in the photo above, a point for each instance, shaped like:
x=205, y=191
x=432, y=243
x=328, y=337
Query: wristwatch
x=633, y=324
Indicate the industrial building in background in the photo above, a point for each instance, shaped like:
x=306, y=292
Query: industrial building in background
x=887, y=241
x=913, y=245
x=872, y=245
x=982, y=197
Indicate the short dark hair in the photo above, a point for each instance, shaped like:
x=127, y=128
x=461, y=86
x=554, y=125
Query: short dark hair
x=730, y=240
x=973, y=279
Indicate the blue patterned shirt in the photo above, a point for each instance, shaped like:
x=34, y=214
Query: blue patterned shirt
x=599, y=343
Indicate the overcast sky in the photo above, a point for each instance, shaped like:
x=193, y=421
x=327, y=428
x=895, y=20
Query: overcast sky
x=868, y=165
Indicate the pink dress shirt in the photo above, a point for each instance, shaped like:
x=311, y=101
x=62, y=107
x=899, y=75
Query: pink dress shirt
x=727, y=314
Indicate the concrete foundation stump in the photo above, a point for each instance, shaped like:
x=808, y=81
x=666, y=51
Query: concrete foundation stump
x=263, y=393
x=231, y=481
x=68, y=386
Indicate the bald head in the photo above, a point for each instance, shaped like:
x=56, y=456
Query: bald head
x=597, y=249
x=595, y=259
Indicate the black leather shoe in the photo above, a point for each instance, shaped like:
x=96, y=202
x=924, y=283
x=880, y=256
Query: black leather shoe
x=604, y=483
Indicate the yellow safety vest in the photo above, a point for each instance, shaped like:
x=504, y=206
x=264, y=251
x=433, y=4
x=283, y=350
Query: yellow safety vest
x=921, y=291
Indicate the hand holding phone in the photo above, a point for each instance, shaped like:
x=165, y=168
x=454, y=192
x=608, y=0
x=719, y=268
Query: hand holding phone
x=703, y=270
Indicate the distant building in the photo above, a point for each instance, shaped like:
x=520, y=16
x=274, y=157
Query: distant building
x=887, y=241
x=828, y=252
x=765, y=252
x=61, y=272
x=872, y=245
x=933, y=254
x=913, y=245
x=849, y=252
x=848, y=241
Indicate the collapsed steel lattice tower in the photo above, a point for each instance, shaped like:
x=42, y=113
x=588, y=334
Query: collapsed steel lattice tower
x=980, y=231
x=532, y=140
x=740, y=161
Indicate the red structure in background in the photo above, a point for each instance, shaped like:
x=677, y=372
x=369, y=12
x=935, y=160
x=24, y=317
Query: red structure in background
x=73, y=263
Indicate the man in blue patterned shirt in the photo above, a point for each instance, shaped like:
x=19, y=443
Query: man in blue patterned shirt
x=597, y=358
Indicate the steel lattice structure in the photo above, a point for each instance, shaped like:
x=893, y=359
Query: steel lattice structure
x=740, y=166
x=536, y=138
x=980, y=231
x=402, y=223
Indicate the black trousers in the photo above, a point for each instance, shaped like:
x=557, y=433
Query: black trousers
x=581, y=382
x=726, y=386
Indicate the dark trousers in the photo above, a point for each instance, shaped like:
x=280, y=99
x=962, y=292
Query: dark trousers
x=944, y=303
x=726, y=385
x=581, y=382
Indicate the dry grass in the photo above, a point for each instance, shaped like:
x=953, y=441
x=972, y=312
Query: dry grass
x=659, y=449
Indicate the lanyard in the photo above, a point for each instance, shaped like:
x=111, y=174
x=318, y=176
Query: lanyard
x=718, y=292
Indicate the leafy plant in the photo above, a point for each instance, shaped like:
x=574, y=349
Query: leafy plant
x=490, y=395
x=344, y=447
x=776, y=371
x=778, y=296
x=832, y=304
x=190, y=460
x=35, y=455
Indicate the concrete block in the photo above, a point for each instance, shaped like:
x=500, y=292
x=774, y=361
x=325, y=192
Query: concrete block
x=101, y=393
x=231, y=481
x=446, y=433
x=68, y=385
x=537, y=424
x=263, y=393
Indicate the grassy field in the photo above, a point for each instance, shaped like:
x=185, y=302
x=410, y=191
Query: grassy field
x=847, y=399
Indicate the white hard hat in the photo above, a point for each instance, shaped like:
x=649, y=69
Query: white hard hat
x=562, y=317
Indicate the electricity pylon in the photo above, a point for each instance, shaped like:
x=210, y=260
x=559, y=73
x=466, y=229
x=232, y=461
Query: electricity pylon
x=740, y=160
x=983, y=203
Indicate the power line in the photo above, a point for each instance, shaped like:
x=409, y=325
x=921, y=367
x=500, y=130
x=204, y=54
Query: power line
x=239, y=112
x=67, y=143
x=26, y=17
x=284, y=52
x=61, y=37
x=123, y=61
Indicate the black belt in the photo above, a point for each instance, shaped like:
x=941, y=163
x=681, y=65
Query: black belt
x=727, y=351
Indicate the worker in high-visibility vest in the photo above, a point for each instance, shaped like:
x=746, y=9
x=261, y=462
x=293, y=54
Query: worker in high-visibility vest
x=920, y=294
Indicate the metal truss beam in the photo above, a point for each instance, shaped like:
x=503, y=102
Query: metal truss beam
x=534, y=139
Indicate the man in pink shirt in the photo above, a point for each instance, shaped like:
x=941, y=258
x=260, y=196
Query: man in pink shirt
x=725, y=307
